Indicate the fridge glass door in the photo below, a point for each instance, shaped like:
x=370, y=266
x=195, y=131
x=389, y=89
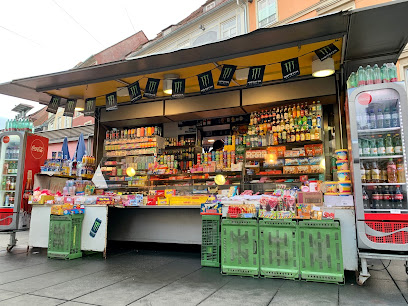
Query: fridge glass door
x=9, y=161
x=382, y=162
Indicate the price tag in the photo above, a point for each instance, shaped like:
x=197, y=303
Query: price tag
x=395, y=211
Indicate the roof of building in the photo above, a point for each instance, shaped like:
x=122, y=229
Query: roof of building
x=56, y=136
x=39, y=117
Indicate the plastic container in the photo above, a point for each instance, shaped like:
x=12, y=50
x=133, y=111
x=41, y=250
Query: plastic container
x=331, y=187
x=341, y=154
x=342, y=165
x=343, y=176
x=344, y=188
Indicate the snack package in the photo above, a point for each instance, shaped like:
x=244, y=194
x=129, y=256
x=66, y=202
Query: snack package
x=290, y=169
x=318, y=149
x=309, y=150
x=303, y=211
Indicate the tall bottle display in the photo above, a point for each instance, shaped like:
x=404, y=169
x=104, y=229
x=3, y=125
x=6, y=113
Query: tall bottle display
x=378, y=141
x=21, y=155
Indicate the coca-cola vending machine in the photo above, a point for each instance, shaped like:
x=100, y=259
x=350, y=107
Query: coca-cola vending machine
x=21, y=156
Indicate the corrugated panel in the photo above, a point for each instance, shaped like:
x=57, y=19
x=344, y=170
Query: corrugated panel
x=72, y=133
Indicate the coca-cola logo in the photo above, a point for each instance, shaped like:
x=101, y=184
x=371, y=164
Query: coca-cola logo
x=37, y=149
x=364, y=98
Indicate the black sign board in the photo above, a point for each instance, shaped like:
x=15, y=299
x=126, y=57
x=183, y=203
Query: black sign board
x=54, y=104
x=326, y=52
x=134, y=92
x=151, y=88
x=70, y=108
x=178, y=87
x=205, y=80
x=111, y=101
x=90, y=107
x=290, y=68
x=255, y=76
x=227, y=73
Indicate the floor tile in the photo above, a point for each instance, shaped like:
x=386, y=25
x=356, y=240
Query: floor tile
x=27, y=299
x=4, y=295
x=397, y=270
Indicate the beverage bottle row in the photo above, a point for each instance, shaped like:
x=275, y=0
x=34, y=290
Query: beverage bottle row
x=9, y=199
x=383, y=172
x=175, y=142
x=10, y=167
x=10, y=184
x=378, y=119
x=22, y=124
x=379, y=145
x=12, y=152
x=224, y=120
x=134, y=133
x=373, y=75
x=384, y=197
x=181, y=154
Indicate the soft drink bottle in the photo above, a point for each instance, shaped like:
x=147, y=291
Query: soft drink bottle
x=394, y=117
x=366, y=201
x=380, y=119
x=389, y=146
x=386, y=198
x=397, y=144
x=392, y=71
x=377, y=74
x=398, y=198
x=361, y=77
x=400, y=171
x=369, y=75
x=385, y=74
x=353, y=80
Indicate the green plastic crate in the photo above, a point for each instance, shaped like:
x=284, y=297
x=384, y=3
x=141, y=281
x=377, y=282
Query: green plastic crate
x=65, y=236
x=278, y=244
x=210, y=245
x=239, y=247
x=321, y=257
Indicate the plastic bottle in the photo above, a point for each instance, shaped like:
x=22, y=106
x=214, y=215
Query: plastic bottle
x=375, y=198
x=389, y=146
x=369, y=75
x=361, y=77
x=377, y=74
x=385, y=74
x=386, y=198
x=380, y=197
x=387, y=118
x=365, y=120
x=366, y=201
x=397, y=144
x=380, y=145
x=6, y=126
x=400, y=171
x=394, y=117
x=392, y=171
x=366, y=147
x=380, y=119
x=352, y=81
x=360, y=148
x=392, y=71
x=373, y=120
x=398, y=198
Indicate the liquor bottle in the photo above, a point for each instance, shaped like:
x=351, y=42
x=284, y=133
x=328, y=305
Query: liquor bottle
x=298, y=111
x=387, y=118
x=392, y=171
x=318, y=107
x=284, y=136
x=313, y=108
x=292, y=136
x=375, y=172
x=317, y=133
x=302, y=110
x=398, y=198
x=319, y=121
x=366, y=201
x=380, y=145
x=297, y=135
x=278, y=115
x=306, y=109
x=8, y=182
x=288, y=136
x=302, y=135
x=394, y=117
x=314, y=120
x=400, y=171
x=285, y=113
x=397, y=144
x=389, y=146
x=307, y=134
x=312, y=133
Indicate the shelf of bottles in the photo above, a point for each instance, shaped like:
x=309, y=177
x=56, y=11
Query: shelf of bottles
x=381, y=151
x=9, y=156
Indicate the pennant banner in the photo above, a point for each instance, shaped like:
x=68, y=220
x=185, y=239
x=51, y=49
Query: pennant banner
x=227, y=73
x=54, y=104
x=151, y=88
x=255, y=76
x=135, y=92
x=70, y=108
x=205, y=80
x=326, y=52
x=290, y=68
x=90, y=107
x=111, y=101
x=178, y=88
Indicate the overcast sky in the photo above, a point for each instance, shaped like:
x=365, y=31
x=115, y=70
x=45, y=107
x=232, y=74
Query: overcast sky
x=46, y=36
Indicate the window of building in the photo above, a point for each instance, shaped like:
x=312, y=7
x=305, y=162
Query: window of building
x=266, y=12
x=59, y=121
x=67, y=122
x=210, y=6
x=184, y=44
x=229, y=28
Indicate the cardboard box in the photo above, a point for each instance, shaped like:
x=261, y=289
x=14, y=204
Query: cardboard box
x=313, y=198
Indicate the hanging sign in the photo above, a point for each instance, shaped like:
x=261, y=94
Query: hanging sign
x=134, y=91
x=111, y=101
x=151, y=88
x=90, y=107
x=70, y=108
x=178, y=87
x=227, y=73
x=54, y=104
x=205, y=80
x=255, y=76
x=326, y=52
x=290, y=68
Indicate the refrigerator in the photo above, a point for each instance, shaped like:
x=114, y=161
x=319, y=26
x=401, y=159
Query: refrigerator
x=378, y=123
x=21, y=156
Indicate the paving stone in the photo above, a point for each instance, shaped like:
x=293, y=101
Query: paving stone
x=4, y=295
x=27, y=299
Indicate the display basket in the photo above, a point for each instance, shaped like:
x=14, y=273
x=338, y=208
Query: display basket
x=210, y=245
x=387, y=232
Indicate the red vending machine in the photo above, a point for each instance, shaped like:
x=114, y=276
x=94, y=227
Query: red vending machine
x=21, y=156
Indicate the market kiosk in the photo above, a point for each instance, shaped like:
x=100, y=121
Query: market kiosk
x=175, y=118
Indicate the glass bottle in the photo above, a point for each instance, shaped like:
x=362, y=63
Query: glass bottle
x=400, y=171
x=380, y=145
x=373, y=146
x=397, y=144
x=389, y=146
x=363, y=173
x=375, y=172
x=366, y=147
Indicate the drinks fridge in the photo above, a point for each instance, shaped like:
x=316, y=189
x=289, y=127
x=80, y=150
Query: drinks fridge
x=21, y=155
x=378, y=131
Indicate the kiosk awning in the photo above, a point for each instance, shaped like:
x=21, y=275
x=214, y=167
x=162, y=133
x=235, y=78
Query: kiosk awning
x=379, y=33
